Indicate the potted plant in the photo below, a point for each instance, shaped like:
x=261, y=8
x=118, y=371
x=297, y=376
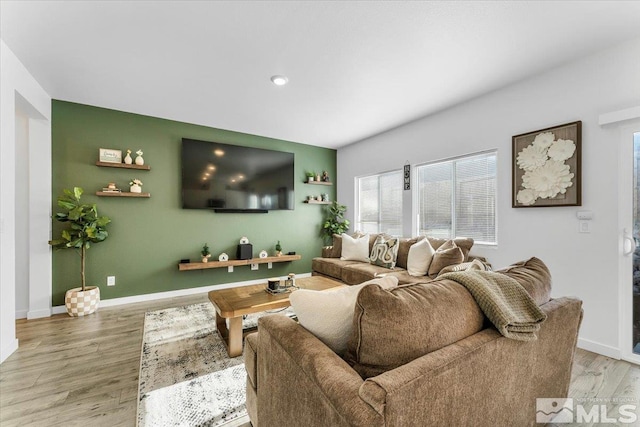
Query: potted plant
x=85, y=228
x=310, y=176
x=278, y=249
x=136, y=186
x=205, y=253
x=334, y=223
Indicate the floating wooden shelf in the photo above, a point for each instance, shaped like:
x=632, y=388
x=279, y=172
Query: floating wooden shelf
x=315, y=202
x=123, y=166
x=319, y=183
x=122, y=194
x=236, y=262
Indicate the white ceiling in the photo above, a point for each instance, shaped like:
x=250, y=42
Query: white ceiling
x=355, y=68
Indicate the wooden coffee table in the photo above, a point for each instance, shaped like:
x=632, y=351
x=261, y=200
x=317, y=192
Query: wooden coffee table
x=233, y=303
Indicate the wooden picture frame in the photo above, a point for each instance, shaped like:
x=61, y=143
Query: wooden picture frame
x=547, y=167
x=107, y=155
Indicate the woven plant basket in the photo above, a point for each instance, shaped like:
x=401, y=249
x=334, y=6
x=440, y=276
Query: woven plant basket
x=79, y=303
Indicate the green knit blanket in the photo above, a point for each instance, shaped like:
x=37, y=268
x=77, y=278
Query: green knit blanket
x=504, y=301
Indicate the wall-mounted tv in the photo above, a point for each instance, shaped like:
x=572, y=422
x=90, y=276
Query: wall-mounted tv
x=232, y=178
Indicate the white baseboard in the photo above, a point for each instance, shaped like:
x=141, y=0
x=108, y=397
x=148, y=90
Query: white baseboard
x=602, y=349
x=37, y=314
x=171, y=294
x=21, y=314
x=8, y=350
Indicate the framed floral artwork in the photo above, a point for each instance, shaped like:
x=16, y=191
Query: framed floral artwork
x=547, y=167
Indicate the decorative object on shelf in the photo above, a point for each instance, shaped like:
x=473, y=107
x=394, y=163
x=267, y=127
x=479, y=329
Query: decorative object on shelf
x=108, y=155
x=223, y=257
x=319, y=198
x=139, y=159
x=278, y=249
x=325, y=176
x=205, y=253
x=136, y=186
x=111, y=188
x=263, y=254
x=311, y=176
x=127, y=158
x=318, y=178
x=547, y=167
x=325, y=197
x=86, y=227
x=407, y=176
x=334, y=222
x=244, y=240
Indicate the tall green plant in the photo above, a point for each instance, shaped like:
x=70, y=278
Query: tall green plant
x=85, y=226
x=334, y=223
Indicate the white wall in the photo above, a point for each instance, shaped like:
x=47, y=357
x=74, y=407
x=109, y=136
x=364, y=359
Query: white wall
x=584, y=265
x=19, y=88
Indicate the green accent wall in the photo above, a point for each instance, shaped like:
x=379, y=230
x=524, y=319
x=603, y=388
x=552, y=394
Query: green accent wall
x=148, y=237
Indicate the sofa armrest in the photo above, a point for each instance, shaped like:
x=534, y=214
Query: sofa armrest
x=437, y=387
x=327, y=252
x=303, y=382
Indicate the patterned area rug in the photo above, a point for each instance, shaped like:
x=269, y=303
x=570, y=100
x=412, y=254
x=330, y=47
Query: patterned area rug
x=186, y=377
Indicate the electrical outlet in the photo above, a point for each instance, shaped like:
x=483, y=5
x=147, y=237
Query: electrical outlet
x=584, y=227
x=111, y=280
x=254, y=266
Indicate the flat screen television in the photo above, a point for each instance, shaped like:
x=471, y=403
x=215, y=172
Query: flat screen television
x=232, y=178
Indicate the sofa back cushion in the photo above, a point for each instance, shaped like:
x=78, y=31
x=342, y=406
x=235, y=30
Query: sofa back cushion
x=534, y=276
x=464, y=243
x=355, y=248
x=391, y=328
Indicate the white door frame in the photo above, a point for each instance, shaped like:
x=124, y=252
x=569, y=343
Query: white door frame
x=625, y=222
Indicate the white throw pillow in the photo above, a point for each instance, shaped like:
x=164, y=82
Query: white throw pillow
x=355, y=249
x=419, y=258
x=329, y=314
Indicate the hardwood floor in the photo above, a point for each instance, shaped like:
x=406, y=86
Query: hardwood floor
x=79, y=372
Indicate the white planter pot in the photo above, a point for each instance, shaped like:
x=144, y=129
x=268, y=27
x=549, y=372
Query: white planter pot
x=135, y=188
x=79, y=303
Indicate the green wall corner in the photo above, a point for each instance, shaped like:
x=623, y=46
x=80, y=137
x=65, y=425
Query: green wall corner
x=148, y=237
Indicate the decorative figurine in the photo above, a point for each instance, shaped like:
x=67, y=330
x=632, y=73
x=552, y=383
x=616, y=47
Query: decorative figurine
x=325, y=176
x=139, y=159
x=127, y=159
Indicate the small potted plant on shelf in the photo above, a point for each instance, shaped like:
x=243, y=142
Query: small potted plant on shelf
x=205, y=253
x=278, y=249
x=334, y=223
x=135, y=186
x=311, y=176
x=86, y=227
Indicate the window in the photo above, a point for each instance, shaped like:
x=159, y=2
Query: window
x=380, y=203
x=457, y=198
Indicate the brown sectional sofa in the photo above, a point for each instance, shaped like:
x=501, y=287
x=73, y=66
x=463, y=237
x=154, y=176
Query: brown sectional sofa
x=420, y=355
x=354, y=272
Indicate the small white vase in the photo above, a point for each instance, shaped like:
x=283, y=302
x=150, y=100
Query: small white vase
x=135, y=188
x=128, y=160
x=139, y=161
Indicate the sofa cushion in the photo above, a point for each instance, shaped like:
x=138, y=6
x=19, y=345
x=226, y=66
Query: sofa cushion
x=358, y=272
x=464, y=243
x=404, y=278
x=403, y=250
x=394, y=327
x=355, y=248
x=384, y=252
x=534, y=276
x=419, y=258
x=331, y=267
x=329, y=314
x=447, y=254
x=335, y=250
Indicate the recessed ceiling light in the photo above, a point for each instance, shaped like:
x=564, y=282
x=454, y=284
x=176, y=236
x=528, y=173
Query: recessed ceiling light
x=279, y=80
x=218, y=152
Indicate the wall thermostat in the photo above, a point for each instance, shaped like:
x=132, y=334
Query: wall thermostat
x=223, y=257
